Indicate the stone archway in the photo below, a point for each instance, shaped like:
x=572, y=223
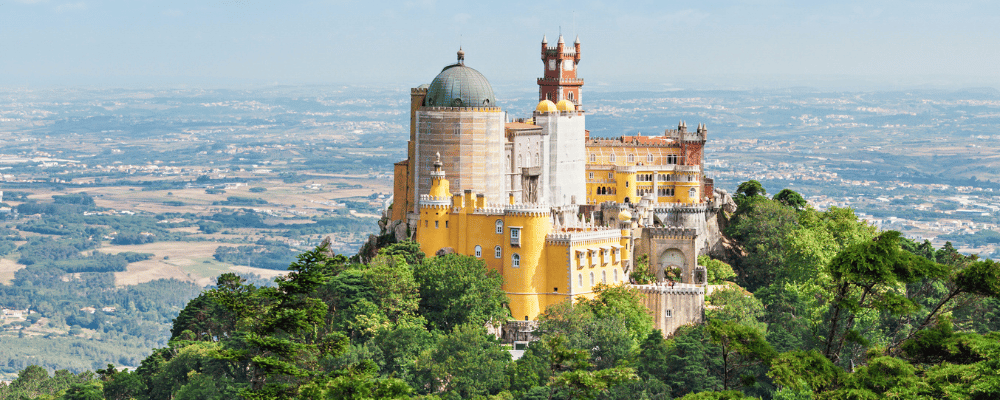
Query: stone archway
x=671, y=258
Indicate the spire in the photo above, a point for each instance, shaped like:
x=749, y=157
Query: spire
x=561, y=39
x=577, y=40
x=461, y=60
x=545, y=39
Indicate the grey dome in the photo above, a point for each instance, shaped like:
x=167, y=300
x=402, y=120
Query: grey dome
x=460, y=86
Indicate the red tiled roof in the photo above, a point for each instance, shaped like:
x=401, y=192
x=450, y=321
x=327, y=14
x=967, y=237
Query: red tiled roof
x=520, y=125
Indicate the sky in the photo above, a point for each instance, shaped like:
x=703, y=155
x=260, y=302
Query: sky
x=635, y=45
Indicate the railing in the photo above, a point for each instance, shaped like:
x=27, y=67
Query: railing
x=560, y=80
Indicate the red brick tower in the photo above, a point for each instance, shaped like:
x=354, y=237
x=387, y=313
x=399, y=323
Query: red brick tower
x=560, y=81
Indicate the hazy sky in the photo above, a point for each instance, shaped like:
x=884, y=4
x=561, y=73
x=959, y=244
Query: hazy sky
x=125, y=43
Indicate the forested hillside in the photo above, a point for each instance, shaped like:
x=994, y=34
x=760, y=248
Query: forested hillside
x=821, y=306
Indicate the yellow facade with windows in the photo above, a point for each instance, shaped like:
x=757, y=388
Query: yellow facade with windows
x=541, y=264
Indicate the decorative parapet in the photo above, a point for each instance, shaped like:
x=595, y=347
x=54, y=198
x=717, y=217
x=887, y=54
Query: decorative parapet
x=569, y=238
x=468, y=109
x=418, y=90
x=686, y=208
x=427, y=200
x=571, y=81
x=672, y=232
x=667, y=288
x=534, y=210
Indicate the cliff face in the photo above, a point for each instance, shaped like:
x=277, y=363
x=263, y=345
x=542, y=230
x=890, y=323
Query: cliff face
x=714, y=243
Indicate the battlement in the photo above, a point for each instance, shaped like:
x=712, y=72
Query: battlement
x=672, y=232
x=418, y=90
x=598, y=234
x=528, y=209
x=467, y=109
x=688, y=208
x=677, y=288
x=427, y=200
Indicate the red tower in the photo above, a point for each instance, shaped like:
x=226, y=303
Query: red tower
x=560, y=81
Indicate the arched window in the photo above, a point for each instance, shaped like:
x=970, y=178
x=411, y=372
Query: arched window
x=693, y=192
x=515, y=260
x=479, y=251
x=581, y=279
x=649, y=158
x=593, y=157
x=631, y=158
x=591, y=279
x=537, y=159
x=499, y=227
x=497, y=252
x=570, y=95
x=615, y=274
x=604, y=276
x=611, y=157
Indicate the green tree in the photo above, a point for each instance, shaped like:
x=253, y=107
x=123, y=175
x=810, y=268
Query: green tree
x=761, y=228
x=867, y=277
x=468, y=362
x=749, y=191
x=717, y=271
x=457, y=290
x=84, y=391
x=792, y=199
x=742, y=348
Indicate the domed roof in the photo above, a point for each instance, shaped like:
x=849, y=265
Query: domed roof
x=546, y=106
x=566, y=105
x=460, y=86
x=624, y=216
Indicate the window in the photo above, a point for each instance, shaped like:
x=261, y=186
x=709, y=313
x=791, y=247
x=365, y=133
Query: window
x=615, y=275
x=611, y=175
x=604, y=276
x=591, y=176
x=631, y=158
x=649, y=158
x=693, y=192
x=611, y=157
x=591, y=279
x=499, y=227
x=515, y=260
x=515, y=236
x=580, y=279
x=593, y=157
x=668, y=313
x=445, y=224
x=497, y=252
x=436, y=224
x=479, y=251
x=570, y=94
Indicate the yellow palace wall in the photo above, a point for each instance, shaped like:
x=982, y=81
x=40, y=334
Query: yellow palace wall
x=548, y=273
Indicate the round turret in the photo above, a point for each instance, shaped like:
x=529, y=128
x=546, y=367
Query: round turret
x=566, y=105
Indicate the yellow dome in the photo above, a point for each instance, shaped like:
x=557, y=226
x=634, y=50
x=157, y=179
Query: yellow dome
x=624, y=216
x=546, y=106
x=566, y=105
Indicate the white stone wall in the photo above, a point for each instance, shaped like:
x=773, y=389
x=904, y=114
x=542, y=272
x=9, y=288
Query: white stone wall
x=471, y=144
x=564, y=175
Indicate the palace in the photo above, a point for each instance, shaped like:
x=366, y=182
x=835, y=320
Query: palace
x=555, y=211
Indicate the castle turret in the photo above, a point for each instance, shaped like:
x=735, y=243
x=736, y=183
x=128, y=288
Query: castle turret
x=560, y=82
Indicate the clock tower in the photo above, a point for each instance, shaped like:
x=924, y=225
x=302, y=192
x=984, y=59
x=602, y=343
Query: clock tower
x=559, y=81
